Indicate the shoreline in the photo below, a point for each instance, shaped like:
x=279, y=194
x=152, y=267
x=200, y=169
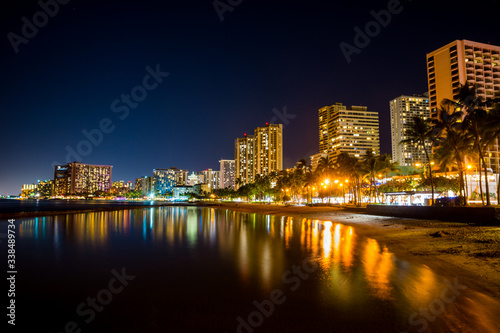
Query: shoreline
x=452, y=249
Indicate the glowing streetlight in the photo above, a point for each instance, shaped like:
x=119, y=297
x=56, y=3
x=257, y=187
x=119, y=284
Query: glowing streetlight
x=327, y=181
x=469, y=166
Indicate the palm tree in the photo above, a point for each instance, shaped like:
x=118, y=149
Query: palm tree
x=492, y=132
x=351, y=168
x=475, y=122
x=454, y=145
x=322, y=165
x=238, y=182
x=419, y=134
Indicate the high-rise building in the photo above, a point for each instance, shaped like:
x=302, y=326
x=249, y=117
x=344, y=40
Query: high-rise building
x=181, y=177
x=458, y=63
x=227, y=172
x=244, y=150
x=403, y=109
x=45, y=188
x=324, y=116
x=165, y=180
x=349, y=129
x=140, y=184
x=259, y=154
x=210, y=178
x=79, y=178
x=268, y=154
x=150, y=186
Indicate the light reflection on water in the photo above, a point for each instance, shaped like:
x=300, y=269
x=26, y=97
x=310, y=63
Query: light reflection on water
x=355, y=273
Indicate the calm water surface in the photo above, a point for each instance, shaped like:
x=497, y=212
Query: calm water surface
x=189, y=269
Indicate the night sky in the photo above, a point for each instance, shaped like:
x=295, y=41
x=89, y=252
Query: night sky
x=225, y=77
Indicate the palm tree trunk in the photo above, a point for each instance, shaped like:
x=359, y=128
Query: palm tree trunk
x=461, y=175
x=430, y=173
x=481, y=180
x=488, y=202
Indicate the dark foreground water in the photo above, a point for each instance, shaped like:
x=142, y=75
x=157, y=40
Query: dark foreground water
x=189, y=269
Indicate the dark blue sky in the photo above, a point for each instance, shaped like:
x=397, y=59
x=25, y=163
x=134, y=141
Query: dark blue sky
x=225, y=78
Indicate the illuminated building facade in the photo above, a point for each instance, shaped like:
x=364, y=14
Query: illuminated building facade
x=324, y=116
x=403, y=109
x=149, y=186
x=268, y=149
x=28, y=190
x=244, y=151
x=165, y=180
x=45, y=188
x=210, y=178
x=459, y=62
x=227, y=172
x=78, y=178
x=181, y=177
x=179, y=192
x=140, y=184
x=349, y=129
x=259, y=154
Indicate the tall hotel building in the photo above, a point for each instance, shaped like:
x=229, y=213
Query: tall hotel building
x=259, y=154
x=227, y=172
x=244, y=150
x=268, y=149
x=459, y=62
x=353, y=130
x=403, y=109
x=78, y=178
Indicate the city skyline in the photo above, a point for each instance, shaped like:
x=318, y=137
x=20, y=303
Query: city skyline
x=201, y=76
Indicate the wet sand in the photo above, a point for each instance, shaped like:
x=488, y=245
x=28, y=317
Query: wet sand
x=469, y=252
